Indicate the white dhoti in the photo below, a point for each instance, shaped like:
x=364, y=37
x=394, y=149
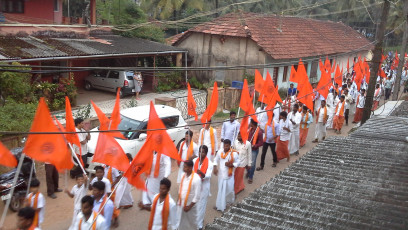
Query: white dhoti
x=152, y=187
x=188, y=220
x=294, y=141
x=317, y=104
x=330, y=113
x=123, y=194
x=180, y=172
x=76, y=212
x=202, y=204
x=320, y=131
x=226, y=194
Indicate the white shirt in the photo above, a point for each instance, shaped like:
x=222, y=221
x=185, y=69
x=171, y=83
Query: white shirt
x=107, y=210
x=185, y=150
x=269, y=133
x=348, y=100
x=276, y=112
x=81, y=137
x=165, y=166
x=262, y=117
x=284, y=134
x=297, y=117
x=40, y=204
x=230, y=130
x=78, y=193
x=86, y=224
x=208, y=173
x=157, y=218
x=245, y=153
x=320, y=114
x=207, y=140
x=107, y=184
x=337, y=112
x=377, y=94
x=361, y=101
x=115, y=173
x=223, y=170
x=194, y=195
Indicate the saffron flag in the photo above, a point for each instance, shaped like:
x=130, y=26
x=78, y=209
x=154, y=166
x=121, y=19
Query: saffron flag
x=293, y=75
x=324, y=84
x=212, y=107
x=338, y=77
x=246, y=101
x=109, y=152
x=103, y=119
x=159, y=139
x=191, y=104
x=359, y=75
x=267, y=90
x=7, y=158
x=142, y=163
x=348, y=65
x=259, y=81
x=306, y=93
x=243, y=129
x=115, y=116
x=105, y=123
x=50, y=148
x=70, y=125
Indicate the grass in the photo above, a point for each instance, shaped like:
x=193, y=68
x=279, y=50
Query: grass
x=223, y=116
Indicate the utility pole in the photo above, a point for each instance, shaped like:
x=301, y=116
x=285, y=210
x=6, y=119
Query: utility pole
x=375, y=62
x=402, y=54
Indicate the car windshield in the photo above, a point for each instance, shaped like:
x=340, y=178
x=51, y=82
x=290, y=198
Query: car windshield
x=129, y=124
x=129, y=75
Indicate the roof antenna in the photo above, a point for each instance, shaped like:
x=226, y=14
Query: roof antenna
x=280, y=23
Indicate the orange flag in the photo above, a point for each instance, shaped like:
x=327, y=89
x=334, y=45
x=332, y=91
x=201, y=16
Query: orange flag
x=246, y=101
x=70, y=124
x=7, y=158
x=348, y=65
x=212, y=107
x=105, y=122
x=324, y=84
x=338, y=77
x=259, y=81
x=103, y=119
x=50, y=148
x=191, y=104
x=159, y=139
x=243, y=129
x=359, y=75
x=109, y=152
x=293, y=75
x=115, y=116
x=267, y=90
x=305, y=88
x=301, y=75
x=142, y=163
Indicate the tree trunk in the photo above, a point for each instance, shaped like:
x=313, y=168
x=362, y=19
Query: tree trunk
x=216, y=8
x=402, y=55
x=375, y=62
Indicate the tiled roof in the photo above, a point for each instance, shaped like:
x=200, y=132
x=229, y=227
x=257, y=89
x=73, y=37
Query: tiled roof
x=354, y=182
x=30, y=47
x=285, y=37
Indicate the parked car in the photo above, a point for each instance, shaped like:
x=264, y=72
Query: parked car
x=111, y=80
x=136, y=118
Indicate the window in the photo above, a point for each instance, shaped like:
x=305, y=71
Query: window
x=114, y=74
x=56, y=5
x=285, y=74
x=275, y=75
x=130, y=124
x=12, y=6
x=171, y=122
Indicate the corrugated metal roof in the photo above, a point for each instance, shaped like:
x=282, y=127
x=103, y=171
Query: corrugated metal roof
x=354, y=182
x=29, y=47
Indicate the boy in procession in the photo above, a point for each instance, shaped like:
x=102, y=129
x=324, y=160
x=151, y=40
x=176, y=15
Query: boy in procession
x=204, y=168
x=294, y=118
x=339, y=113
x=245, y=161
x=163, y=209
x=321, y=120
x=305, y=121
x=282, y=143
x=208, y=137
x=99, y=176
x=88, y=218
x=255, y=137
x=25, y=219
x=188, y=151
x=101, y=198
x=77, y=192
x=271, y=133
x=227, y=159
x=36, y=201
x=360, y=103
x=188, y=197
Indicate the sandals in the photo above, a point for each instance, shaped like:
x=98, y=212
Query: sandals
x=249, y=181
x=274, y=165
x=259, y=168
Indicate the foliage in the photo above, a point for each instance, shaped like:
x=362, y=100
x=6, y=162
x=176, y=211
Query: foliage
x=194, y=83
x=16, y=116
x=84, y=112
x=169, y=81
x=55, y=93
x=222, y=116
x=169, y=9
x=131, y=103
x=16, y=86
x=76, y=8
x=283, y=92
x=250, y=78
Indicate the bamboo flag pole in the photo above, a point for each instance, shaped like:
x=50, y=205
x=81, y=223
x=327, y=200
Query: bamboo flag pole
x=30, y=178
x=76, y=158
x=20, y=163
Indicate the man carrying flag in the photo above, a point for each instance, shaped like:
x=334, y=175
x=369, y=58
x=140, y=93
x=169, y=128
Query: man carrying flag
x=294, y=118
x=208, y=137
x=244, y=150
x=84, y=138
x=188, y=151
x=230, y=128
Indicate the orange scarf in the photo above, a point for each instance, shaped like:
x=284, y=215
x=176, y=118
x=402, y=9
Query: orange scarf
x=377, y=91
x=307, y=118
x=109, y=175
x=288, y=105
x=204, y=165
x=36, y=221
x=273, y=130
x=211, y=138
x=94, y=222
x=100, y=210
x=224, y=155
x=188, y=190
x=255, y=137
x=165, y=212
x=324, y=115
x=189, y=150
x=341, y=108
x=157, y=166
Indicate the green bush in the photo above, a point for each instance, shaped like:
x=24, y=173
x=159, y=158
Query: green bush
x=169, y=81
x=55, y=93
x=283, y=92
x=16, y=86
x=17, y=116
x=250, y=78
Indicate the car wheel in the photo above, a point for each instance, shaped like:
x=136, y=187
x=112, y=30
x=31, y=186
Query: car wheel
x=179, y=144
x=121, y=95
x=15, y=203
x=88, y=86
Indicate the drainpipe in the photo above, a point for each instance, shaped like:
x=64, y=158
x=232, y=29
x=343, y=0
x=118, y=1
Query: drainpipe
x=185, y=63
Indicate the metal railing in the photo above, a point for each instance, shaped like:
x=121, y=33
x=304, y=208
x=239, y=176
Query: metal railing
x=200, y=99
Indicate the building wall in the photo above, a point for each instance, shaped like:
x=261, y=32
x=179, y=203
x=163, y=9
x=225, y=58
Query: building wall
x=36, y=12
x=212, y=50
x=79, y=76
x=39, y=9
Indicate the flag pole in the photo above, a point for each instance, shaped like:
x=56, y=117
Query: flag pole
x=6, y=207
x=235, y=130
x=31, y=177
x=103, y=205
x=76, y=158
x=254, y=134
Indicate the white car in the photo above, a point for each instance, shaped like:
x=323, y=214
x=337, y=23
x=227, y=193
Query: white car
x=136, y=118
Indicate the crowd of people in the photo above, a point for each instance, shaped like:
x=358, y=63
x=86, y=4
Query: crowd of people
x=230, y=158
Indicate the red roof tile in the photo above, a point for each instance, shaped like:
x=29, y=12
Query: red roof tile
x=285, y=37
